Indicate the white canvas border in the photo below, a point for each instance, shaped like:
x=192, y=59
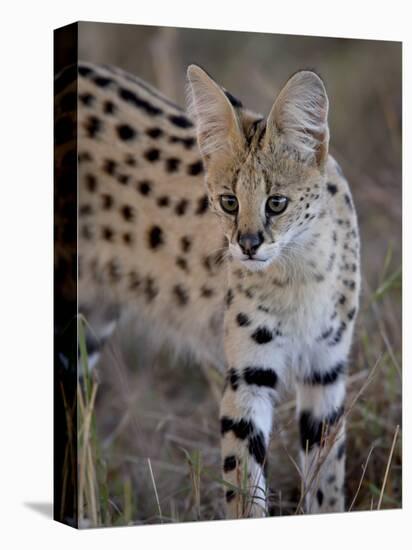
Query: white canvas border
x=26, y=278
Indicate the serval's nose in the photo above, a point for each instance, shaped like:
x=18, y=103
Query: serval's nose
x=250, y=242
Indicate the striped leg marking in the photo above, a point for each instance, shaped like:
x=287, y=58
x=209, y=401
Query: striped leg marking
x=246, y=423
x=322, y=441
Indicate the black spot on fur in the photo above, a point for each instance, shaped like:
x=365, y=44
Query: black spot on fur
x=311, y=429
x=325, y=378
x=229, y=297
x=348, y=201
x=127, y=238
x=154, y=133
x=243, y=320
x=207, y=263
x=349, y=284
x=182, y=263
x=91, y=183
x=152, y=155
x=260, y=377
x=85, y=71
x=229, y=463
x=145, y=187
x=331, y=261
x=279, y=282
x=130, y=160
x=123, y=179
x=351, y=313
x=155, y=237
x=109, y=108
x=85, y=210
x=241, y=428
x=86, y=99
x=102, y=81
x=136, y=101
x=181, y=121
x=206, y=292
x=163, y=201
x=85, y=156
x=195, y=168
x=325, y=335
x=233, y=379
x=181, y=295
x=341, y=450
x=134, y=281
x=107, y=233
x=181, y=207
x=114, y=271
x=332, y=188
x=172, y=165
x=187, y=142
x=202, y=205
x=127, y=213
x=109, y=166
x=213, y=262
x=257, y=447
x=126, y=132
x=93, y=126
x=262, y=335
x=150, y=289
x=185, y=243
x=338, y=334
x=319, y=496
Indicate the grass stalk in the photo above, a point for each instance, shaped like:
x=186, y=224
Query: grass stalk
x=388, y=465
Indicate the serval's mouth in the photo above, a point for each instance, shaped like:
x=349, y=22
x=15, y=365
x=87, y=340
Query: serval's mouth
x=255, y=264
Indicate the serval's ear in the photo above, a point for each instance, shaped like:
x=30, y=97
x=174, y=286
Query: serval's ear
x=218, y=126
x=299, y=117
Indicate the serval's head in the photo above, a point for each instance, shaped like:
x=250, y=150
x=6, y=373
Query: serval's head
x=265, y=177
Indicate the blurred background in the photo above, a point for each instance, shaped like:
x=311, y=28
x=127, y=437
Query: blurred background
x=156, y=449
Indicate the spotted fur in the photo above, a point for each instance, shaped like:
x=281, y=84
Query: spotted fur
x=153, y=239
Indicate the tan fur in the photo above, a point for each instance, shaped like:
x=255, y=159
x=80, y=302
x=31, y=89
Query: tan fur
x=136, y=213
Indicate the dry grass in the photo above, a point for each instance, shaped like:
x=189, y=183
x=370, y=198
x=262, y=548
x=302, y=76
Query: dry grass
x=148, y=427
x=149, y=443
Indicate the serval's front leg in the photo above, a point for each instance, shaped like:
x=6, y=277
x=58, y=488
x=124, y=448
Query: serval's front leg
x=255, y=364
x=320, y=400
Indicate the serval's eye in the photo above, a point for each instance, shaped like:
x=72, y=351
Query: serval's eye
x=276, y=204
x=229, y=203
